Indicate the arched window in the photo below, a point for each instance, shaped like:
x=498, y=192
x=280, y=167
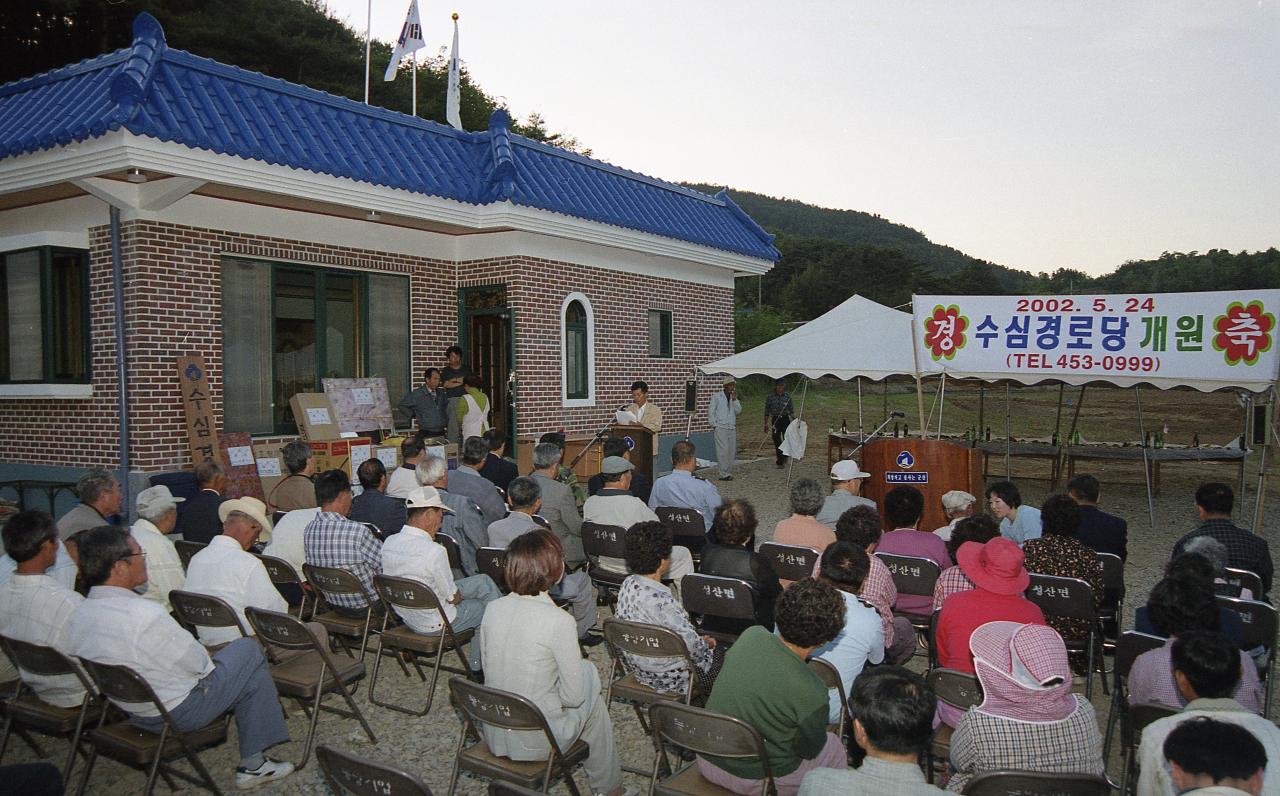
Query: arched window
x=577, y=364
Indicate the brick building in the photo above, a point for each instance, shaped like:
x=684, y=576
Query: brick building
x=285, y=234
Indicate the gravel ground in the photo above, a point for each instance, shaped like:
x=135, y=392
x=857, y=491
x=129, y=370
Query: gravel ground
x=424, y=746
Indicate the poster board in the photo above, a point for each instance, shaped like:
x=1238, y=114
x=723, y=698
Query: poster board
x=359, y=404
x=314, y=415
x=239, y=466
x=202, y=433
x=268, y=460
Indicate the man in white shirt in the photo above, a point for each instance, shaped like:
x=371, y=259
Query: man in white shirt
x=35, y=607
x=414, y=553
x=722, y=414
x=158, y=516
x=615, y=505
x=226, y=570
x=286, y=537
x=116, y=626
x=403, y=480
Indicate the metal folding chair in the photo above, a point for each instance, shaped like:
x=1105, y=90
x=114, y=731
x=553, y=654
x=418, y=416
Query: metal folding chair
x=328, y=580
x=1036, y=783
x=1072, y=598
x=1112, y=608
x=729, y=602
x=138, y=748
x=1260, y=623
x=915, y=576
x=960, y=690
x=830, y=677
x=405, y=593
x=282, y=573
x=346, y=773
x=1128, y=647
x=484, y=705
x=687, y=526
x=186, y=550
x=307, y=677
x=1244, y=579
x=604, y=541
x=1132, y=722
x=492, y=561
x=202, y=610
x=790, y=561
x=450, y=546
x=705, y=733
x=25, y=710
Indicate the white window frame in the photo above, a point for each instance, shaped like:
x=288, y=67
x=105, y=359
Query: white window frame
x=590, y=400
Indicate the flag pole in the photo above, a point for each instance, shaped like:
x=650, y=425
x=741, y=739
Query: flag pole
x=414, y=104
x=368, y=31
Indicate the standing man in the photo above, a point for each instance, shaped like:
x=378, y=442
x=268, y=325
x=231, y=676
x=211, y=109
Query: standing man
x=647, y=414
x=427, y=404
x=723, y=417
x=778, y=412
x=453, y=375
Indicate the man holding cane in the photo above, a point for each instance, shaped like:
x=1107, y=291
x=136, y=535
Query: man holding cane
x=778, y=412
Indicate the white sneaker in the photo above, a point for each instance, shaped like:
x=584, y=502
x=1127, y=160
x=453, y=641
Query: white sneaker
x=269, y=771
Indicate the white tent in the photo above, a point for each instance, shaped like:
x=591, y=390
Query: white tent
x=857, y=338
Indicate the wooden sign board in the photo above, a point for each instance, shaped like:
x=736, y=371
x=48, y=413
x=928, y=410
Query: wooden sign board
x=202, y=433
x=240, y=466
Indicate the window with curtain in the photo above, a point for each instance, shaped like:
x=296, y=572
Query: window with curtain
x=660, y=334
x=44, y=316
x=575, y=350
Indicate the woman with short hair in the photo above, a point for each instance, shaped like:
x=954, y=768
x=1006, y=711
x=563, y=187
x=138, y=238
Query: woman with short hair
x=1019, y=523
x=734, y=556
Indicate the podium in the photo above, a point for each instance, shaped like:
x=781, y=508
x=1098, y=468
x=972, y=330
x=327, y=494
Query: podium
x=640, y=441
x=933, y=466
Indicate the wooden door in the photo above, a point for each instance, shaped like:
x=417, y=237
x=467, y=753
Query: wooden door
x=489, y=341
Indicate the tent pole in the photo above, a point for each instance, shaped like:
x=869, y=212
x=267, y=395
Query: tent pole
x=1008, y=433
x=1056, y=467
x=860, y=436
x=1057, y=423
x=1146, y=464
x=886, y=396
x=804, y=393
x=982, y=411
x=942, y=403
x=1244, y=445
x=924, y=425
x=1259, y=500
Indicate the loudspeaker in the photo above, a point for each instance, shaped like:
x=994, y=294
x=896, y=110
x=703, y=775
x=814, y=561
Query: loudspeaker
x=691, y=396
x=1260, y=413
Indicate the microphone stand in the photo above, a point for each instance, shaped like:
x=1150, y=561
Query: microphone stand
x=872, y=435
x=600, y=435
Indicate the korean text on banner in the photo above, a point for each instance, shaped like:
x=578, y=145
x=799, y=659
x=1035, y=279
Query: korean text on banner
x=202, y=432
x=1202, y=340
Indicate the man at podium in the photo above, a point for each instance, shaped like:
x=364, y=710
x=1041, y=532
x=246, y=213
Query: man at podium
x=646, y=414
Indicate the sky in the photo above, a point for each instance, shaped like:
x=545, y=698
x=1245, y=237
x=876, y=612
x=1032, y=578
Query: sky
x=1035, y=134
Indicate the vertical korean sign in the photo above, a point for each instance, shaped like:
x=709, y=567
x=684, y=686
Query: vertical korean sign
x=202, y=433
x=1201, y=340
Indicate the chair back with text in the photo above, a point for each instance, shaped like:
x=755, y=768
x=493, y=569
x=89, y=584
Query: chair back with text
x=1260, y=622
x=687, y=526
x=346, y=773
x=790, y=561
x=1244, y=579
x=492, y=561
x=202, y=610
x=705, y=733
x=186, y=550
x=1036, y=783
x=911, y=574
x=649, y=641
x=721, y=598
x=1071, y=598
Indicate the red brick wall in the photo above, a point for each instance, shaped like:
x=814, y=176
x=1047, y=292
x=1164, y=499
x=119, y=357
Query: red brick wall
x=173, y=307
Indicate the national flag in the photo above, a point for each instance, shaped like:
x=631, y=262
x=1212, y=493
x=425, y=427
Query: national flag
x=410, y=40
x=453, y=99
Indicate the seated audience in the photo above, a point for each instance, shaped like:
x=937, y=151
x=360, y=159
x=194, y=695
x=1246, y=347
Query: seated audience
x=999, y=580
x=1245, y=550
x=563, y=472
x=732, y=556
x=641, y=486
x=1215, y=553
x=331, y=540
x=1059, y=553
x=559, y=506
x=296, y=490
x=861, y=640
x=1206, y=670
x=498, y=470
x=766, y=683
x=846, y=492
x=1181, y=604
x=893, y=721
x=115, y=626
x=903, y=507
x=35, y=607
x=1105, y=533
x=860, y=527
x=524, y=496
x=1017, y=522
x=682, y=489
x=615, y=505
x=198, y=517
x=467, y=481
x=1028, y=720
x=414, y=553
x=287, y=538
x=979, y=528
x=157, y=516
x=1198, y=568
x=99, y=493
x=802, y=527
x=466, y=524
x=404, y=480
x=372, y=505
x=956, y=505
x=1209, y=757
x=529, y=647
x=644, y=598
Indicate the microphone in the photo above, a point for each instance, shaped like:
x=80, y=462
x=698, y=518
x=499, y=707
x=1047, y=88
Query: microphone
x=897, y=414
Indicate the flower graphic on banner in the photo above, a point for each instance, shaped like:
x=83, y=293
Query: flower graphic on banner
x=1243, y=332
x=944, y=331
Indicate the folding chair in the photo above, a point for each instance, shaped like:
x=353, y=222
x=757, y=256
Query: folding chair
x=186, y=550
x=450, y=546
x=1128, y=647
x=484, y=705
x=1244, y=579
x=650, y=641
x=1035, y=783
x=1132, y=722
x=687, y=526
x=729, y=601
x=704, y=733
x=830, y=677
x=1072, y=598
x=604, y=541
x=276, y=516
x=492, y=561
x=1112, y=608
x=916, y=576
x=328, y=580
x=1260, y=626
x=410, y=594
x=282, y=573
x=790, y=561
x=309, y=675
x=499, y=788
x=931, y=639
x=138, y=748
x=345, y=773
x=960, y=690
x=25, y=710
x=202, y=610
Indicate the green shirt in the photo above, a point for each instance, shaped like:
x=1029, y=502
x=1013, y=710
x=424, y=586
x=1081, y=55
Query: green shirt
x=767, y=686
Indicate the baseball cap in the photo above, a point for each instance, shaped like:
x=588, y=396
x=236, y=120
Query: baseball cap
x=157, y=498
x=614, y=465
x=847, y=470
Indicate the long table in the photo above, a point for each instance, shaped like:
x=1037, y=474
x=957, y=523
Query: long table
x=1070, y=454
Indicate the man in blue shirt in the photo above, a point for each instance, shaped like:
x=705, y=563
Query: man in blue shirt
x=682, y=489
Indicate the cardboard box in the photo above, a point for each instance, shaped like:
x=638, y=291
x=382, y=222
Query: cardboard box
x=269, y=459
x=315, y=417
x=341, y=454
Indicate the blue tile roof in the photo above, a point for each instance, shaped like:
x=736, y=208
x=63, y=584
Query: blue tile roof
x=171, y=95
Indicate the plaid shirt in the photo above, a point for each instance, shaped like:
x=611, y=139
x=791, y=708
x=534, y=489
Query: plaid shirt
x=1245, y=550
x=878, y=589
x=778, y=405
x=332, y=540
x=951, y=581
x=983, y=742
